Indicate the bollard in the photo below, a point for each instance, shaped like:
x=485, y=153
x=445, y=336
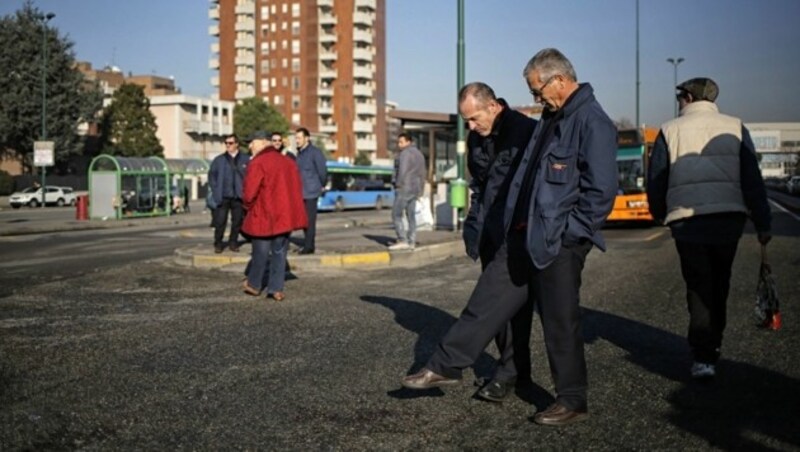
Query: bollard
x=82, y=208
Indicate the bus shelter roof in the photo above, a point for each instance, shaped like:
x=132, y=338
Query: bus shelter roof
x=154, y=165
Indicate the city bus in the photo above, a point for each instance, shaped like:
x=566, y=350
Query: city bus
x=356, y=187
x=633, y=150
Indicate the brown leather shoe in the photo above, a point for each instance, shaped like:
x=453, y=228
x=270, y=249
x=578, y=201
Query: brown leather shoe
x=557, y=414
x=234, y=248
x=250, y=290
x=278, y=296
x=426, y=379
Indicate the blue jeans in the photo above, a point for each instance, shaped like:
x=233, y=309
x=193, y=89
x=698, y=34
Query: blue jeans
x=405, y=203
x=268, y=262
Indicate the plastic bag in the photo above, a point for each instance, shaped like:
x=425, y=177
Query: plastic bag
x=767, y=306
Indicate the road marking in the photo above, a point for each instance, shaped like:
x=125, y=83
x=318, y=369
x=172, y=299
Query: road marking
x=783, y=209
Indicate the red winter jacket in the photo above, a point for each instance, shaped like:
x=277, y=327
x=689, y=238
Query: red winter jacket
x=272, y=195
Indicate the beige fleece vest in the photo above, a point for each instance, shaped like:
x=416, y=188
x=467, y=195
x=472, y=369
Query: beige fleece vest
x=704, y=175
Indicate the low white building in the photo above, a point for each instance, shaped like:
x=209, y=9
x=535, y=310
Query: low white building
x=192, y=127
x=778, y=143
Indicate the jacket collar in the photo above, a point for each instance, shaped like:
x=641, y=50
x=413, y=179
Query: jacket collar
x=575, y=101
x=699, y=106
x=498, y=121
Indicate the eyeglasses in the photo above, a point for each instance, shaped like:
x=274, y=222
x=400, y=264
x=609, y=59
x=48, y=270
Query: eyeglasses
x=230, y=142
x=277, y=140
x=538, y=92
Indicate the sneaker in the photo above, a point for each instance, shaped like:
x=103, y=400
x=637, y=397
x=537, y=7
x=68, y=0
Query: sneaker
x=703, y=370
x=401, y=246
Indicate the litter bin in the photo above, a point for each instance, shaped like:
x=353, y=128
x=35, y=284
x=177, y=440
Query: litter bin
x=82, y=208
x=458, y=193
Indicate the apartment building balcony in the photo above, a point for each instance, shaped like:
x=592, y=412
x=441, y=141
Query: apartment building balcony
x=215, y=81
x=245, y=60
x=213, y=12
x=245, y=93
x=323, y=91
x=366, y=109
x=327, y=38
x=326, y=55
x=215, y=47
x=325, y=109
x=362, y=36
x=198, y=126
x=213, y=63
x=245, y=77
x=245, y=43
x=245, y=25
x=362, y=90
x=363, y=72
x=369, y=4
x=327, y=19
x=246, y=8
x=366, y=145
x=327, y=74
x=327, y=128
x=362, y=19
x=362, y=55
x=363, y=127
x=213, y=30
x=330, y=145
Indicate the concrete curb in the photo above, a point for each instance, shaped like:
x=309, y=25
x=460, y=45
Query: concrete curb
x=198, y=257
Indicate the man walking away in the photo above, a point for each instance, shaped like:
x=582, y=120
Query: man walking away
x=225, y=178
x=314, y=175
x=704, y=182
x=409, y=181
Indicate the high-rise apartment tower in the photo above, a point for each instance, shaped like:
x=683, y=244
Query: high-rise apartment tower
x=321, y=63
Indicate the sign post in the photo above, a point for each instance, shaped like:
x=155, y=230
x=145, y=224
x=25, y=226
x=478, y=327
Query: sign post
x=43, y=156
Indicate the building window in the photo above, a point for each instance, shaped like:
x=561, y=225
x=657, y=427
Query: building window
x=284, y=26
x=273, y=9
x=295, y=46
x=273, y=27
x=295, y=28
x=273, y=45
x=295, y=83
x=295, y=64
x=285, y=82
x=284, y=8
x=284, y=44
x=295, y=118
x=295, y=102
x=264, y=13
x=295, y=10
x=272, y=82
x=278, y=99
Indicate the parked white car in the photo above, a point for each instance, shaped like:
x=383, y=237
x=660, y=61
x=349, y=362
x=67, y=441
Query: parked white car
x=32, y=197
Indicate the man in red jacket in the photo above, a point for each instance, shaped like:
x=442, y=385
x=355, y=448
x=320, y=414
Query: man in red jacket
x=273, y=197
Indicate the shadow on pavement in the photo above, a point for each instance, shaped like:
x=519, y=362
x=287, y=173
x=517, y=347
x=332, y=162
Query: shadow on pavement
x=380, y=239
x=430, y=324
x=743, y=408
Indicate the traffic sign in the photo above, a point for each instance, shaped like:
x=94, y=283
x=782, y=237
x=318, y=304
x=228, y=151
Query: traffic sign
x=43, y=153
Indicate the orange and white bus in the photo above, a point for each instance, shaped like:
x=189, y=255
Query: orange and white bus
x=633, y=151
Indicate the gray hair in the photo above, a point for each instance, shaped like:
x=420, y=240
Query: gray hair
x=480, y=91
x=549, y=63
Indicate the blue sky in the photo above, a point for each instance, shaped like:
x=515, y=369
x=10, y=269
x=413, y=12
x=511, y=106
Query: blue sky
x=750, y=47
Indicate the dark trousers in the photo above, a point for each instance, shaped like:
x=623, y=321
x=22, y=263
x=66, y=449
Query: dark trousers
x=706, y=269
x=513, y=341
x=232, y=206
x=311, y=231
x=502, y=290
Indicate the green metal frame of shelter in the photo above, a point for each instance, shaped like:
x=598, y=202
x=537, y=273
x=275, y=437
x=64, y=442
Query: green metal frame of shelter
x=153, y=169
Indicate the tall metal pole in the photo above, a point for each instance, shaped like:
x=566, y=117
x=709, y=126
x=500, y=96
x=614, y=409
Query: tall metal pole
x=46, y=18
x=461, y=146
x=675, y=62
x=638, y=83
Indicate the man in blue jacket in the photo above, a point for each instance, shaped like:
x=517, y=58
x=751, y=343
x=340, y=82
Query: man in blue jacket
x=558, y=199
x=314, y=175
x=225, y=178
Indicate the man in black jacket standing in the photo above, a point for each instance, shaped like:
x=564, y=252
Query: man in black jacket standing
x=497, y=136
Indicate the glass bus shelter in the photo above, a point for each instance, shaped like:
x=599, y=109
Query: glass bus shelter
x=124, y=187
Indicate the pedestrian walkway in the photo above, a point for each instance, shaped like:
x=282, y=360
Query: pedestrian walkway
x=340, y=244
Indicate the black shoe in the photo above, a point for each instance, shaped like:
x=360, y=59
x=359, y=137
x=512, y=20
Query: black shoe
x=306, y=251
x=218, y=249
x=496, y=391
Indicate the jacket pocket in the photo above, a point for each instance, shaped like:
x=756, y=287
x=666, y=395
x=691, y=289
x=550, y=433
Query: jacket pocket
x=560, y=165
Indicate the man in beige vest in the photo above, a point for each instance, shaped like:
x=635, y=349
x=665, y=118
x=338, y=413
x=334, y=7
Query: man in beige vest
x=704, y=182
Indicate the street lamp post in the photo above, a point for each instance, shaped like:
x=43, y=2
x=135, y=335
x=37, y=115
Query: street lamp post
x=675, y=62
x=46, y=18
